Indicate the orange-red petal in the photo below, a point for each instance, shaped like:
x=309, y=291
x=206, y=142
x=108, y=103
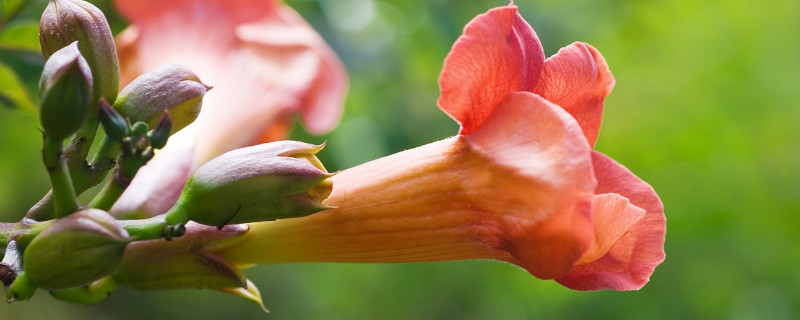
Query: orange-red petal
x=577, y=78
x=629, y=263
x=551, y=151
x=497, y=54
x=517, y=189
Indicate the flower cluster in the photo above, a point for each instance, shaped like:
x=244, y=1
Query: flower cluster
x=520, y=181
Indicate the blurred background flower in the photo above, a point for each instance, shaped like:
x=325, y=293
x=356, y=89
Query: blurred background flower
x=705, y=109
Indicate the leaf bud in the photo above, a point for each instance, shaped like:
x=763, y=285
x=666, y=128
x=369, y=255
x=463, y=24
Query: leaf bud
x=75, y=250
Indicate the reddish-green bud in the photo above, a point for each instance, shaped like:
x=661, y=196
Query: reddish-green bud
x=159, y=135
x=259, y=183
x=170, y=87
x=67, y=21
x=75, y=250
x=65, y=93
x=114, y=124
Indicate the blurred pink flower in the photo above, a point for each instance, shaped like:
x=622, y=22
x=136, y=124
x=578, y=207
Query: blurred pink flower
x=519, y=183
x=264, y=63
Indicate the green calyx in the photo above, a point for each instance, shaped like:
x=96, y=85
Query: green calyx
x=185, y=262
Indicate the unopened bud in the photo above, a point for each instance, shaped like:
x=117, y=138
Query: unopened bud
x=170, y=87
x=65, y=93
x=75, y=250
x=67, y=21
x=159, y=135
x=114, y=124
x=260, y=183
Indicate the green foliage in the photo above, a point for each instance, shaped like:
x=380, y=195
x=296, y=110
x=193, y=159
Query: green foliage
x=705, y=109
x=13, y=92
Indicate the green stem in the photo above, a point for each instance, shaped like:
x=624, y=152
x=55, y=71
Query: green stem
x=23, y=232
x=152, y=228
x=143, y=229
x=104, y=158
x=66, y=202
x=84, y=176
x=129, y=165
x=177, y=214
x=78, y=150
x=105, y=199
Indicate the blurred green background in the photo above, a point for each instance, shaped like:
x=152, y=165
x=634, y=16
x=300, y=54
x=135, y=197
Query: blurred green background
x=706, y=108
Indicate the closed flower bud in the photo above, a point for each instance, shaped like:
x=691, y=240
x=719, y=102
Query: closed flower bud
x=65, y=93
x=159, y=135
x=115, y=125
x=260, y=183
x=75, y=250
x=67, y=21
x=170, y=87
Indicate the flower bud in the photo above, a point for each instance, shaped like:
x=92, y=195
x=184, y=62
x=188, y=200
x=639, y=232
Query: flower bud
x=114, y=124
x=260, y=183
x=65, y=93
x=67, y=21
x=159, y=135
x=170, y=87
x=75, y=250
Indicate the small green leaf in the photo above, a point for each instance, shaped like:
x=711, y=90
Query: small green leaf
x=9, y=7
x=21, y=35
x=12, y=91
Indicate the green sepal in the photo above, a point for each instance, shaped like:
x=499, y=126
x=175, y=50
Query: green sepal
x=250, y=292
x=187, y=262
x=88, y=294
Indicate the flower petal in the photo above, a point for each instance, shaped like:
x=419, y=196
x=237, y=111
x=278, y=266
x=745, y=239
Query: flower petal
x=550, y=150
x=156, y=187
x=467, y=197
x=577, y=78
x=285, y=41
x=630, y=262
x=264, y=62
x=613, y=216
x=498, y=53
x=226, y=12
